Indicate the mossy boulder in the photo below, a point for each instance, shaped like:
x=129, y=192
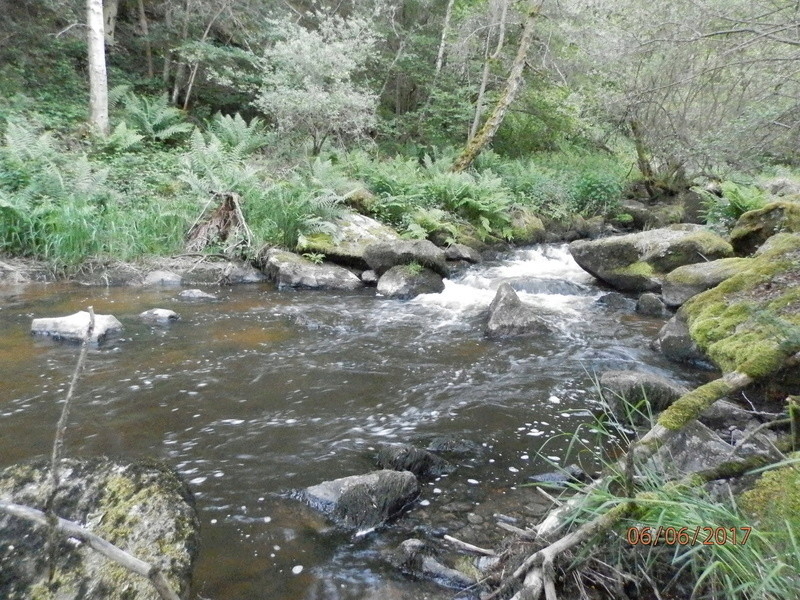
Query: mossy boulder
x=635, y=392
x=351, y=235
x=774, y=501
x=526, y=228
x=143, y=508
x=638, y=262
x=751, y=321
x=757, y=226
x=382, y=256
x=689, y=280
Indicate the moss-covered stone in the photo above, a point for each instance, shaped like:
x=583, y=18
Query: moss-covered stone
x=639, y=261
x=774, y=502
x=757, y=226
x=751, y=321
x=142, y=508
x=526, y=228
x=689, y=280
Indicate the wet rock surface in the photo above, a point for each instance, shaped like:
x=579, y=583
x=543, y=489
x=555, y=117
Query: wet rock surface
x=143, y=508
x=404, y=457
x=651, y=305
x=509, y=316
x=73, y=328
x=196, y=294
x=348, y=240
x=382, y=256
x=404, y=282
x=689, y=280
x=363, y=502
x=635, y=388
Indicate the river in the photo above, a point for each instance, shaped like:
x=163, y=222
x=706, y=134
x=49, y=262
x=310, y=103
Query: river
x=265, y=391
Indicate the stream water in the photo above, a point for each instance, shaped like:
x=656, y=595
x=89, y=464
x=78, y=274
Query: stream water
x=265, y=391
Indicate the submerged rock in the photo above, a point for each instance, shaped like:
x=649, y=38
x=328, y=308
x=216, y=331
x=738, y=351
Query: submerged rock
x=638, y=262
x=72, y=328
x=382, y=256
x=615, y=301
x=159, y=315
x=144, y=508
x=195, y=294
x=689, y=280
x=418, y=559
x=509, y=316
x=363, y=502
x=291, y=270
x=404, y=457
x=406, y=282
x=569, y=474
x=636, y=388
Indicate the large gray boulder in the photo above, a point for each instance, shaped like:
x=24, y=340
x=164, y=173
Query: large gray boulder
x=144, y=508
x=291, y=270
x=160, y=316
x=72, y=328
x=638, y=262
x=509, y=316
x=404, y=457
x=696, y=448
x=406, y=282
x=347, y=241
x=382, y=256
x=675, y=342
x=689, y=280
x=637, y=388
x=363, y=502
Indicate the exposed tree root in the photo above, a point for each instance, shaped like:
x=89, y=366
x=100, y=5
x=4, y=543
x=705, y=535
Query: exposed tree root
x=225, y=227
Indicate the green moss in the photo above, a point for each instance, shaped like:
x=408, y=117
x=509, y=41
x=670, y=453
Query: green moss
x=640, y=268
x=775, y=500
x=742, y=323
x=699, y=273
x=691, y=405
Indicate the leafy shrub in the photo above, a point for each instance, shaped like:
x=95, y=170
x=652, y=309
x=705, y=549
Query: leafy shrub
x=596, y=193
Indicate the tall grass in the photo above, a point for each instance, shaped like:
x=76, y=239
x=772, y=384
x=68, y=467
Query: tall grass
x=765, y=567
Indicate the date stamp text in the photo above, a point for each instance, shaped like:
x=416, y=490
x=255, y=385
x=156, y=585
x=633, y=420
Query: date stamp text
x=687, y=536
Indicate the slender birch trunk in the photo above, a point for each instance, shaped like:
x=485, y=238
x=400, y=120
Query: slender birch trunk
x=148, y=50
x=448, y=13
x=489, y=129
x=98, y=80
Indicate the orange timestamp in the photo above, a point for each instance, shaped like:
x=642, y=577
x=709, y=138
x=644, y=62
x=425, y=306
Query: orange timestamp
x=687, y=536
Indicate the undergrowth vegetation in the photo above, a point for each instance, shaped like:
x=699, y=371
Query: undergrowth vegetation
x=684, y=538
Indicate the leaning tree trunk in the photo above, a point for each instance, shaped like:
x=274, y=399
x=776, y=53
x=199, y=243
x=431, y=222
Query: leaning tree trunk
x=489, y=129
x=98, y=80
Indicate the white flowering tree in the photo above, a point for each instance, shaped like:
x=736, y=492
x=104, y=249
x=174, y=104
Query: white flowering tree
x=309, y=79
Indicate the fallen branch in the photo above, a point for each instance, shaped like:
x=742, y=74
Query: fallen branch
x=69, y=529
x=469, y=547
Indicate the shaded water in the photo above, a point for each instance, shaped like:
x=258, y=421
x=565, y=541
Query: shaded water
x=266, y=391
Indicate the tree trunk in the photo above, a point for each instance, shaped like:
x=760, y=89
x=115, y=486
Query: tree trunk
x=176, y=88
x=98, y=80
x=110, y=10
x=489, y=129
x=642, y=159
x=487, y=63
x=448, y=13
x=148, y=50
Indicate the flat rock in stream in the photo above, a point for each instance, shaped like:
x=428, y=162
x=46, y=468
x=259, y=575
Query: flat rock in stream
x=382, y=256
x=142, y=507
x=72, y=328
x=291, y=270
x=419, y=560
x=509, y=316
x=363, y=502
